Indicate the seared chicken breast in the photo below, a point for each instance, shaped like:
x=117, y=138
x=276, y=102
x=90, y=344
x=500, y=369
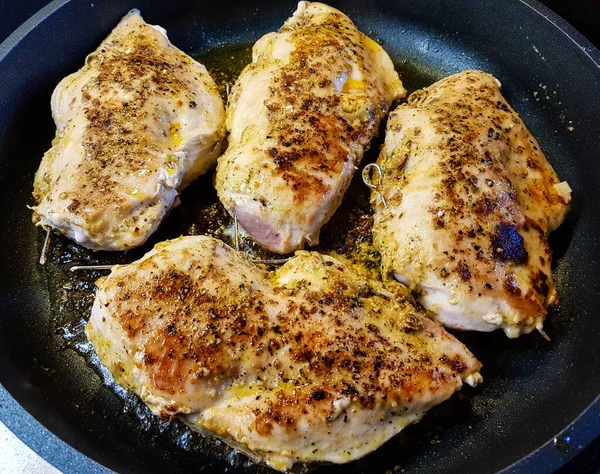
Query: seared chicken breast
x=300, y=117
x=471, y=199
x=309, y=363
x=135, y=125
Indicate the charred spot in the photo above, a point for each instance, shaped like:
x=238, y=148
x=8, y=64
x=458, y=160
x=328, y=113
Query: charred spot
x=350, y=390
x=359, y=353
x=239, y=323
x=378, y=365
x=303, y=355
x=374, y=329
x=488, y=159
x=502, y=106
x=285, y=160
x=535, y=226
x=508, y=243
x=171, y=329
x=328, y=361
x=367, y=401
x=464, y=271
x=456, y=363
x=511, y=286
x=318, y=395
x=540, y=283
x=533, y=164
x=149, y=359
x=485, y=205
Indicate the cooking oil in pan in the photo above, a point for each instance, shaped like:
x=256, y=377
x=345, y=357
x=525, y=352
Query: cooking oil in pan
x=225, y=64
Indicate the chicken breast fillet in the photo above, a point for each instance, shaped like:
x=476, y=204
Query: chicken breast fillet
x=135, y=125
x=471, y=199
x=300, y=117
x=310, y=363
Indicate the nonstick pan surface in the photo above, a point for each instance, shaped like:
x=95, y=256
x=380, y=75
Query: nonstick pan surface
x=538, y=405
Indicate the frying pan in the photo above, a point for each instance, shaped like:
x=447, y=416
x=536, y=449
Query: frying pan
x=538, y=405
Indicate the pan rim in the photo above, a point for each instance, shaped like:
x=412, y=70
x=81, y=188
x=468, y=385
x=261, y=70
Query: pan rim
x=22, y=31
x=50, y=447
x=62, y=455
x=565, y=28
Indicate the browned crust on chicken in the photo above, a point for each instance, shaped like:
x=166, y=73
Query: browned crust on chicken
x=300, y=117
x=311, y=131
x=113, y=147
x=309, y=349
x=459, y=152
x=136, y=124
x=360, y=361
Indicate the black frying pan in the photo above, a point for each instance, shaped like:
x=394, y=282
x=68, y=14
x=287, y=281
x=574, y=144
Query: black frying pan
x=539, y=403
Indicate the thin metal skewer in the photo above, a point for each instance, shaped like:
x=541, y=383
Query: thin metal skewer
x=543, y=333
x=227, y=91
x=236, y=230
x=77, y=268
x=274, y=261
x=45, y=247
x=366, y=177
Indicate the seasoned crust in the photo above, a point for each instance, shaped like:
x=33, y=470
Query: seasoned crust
x=271, y=359
x=472, y=199
x=135, y=125
x=300, y=119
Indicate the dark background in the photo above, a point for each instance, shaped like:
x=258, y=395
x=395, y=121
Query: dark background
x=584, y=15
